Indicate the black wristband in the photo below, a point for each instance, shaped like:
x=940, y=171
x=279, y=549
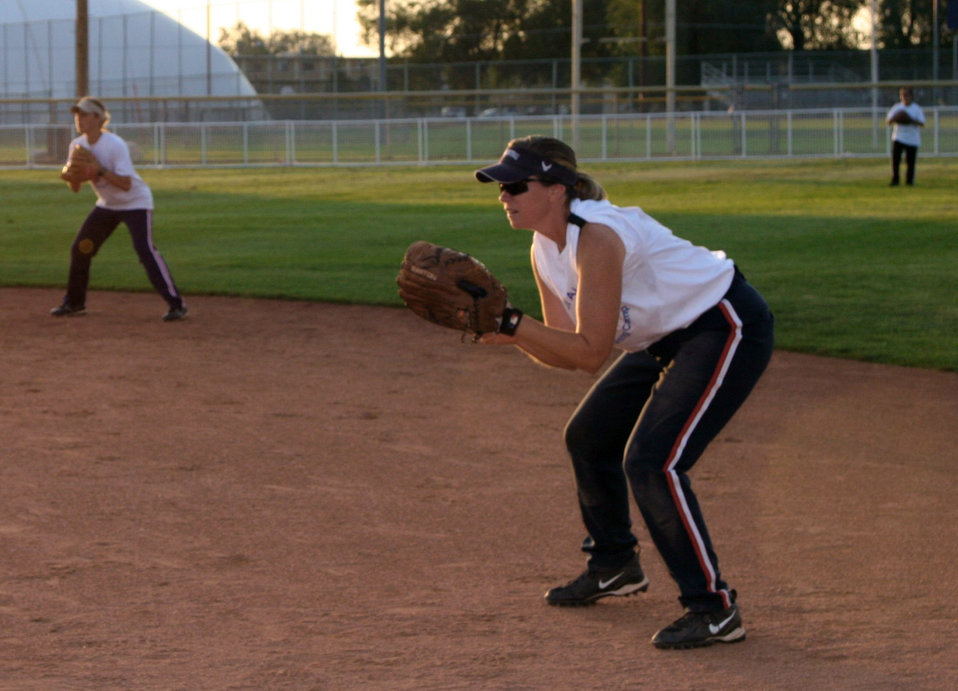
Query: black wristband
x=511, y=317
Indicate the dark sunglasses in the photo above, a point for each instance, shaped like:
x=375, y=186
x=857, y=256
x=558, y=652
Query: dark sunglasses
x=516, y=188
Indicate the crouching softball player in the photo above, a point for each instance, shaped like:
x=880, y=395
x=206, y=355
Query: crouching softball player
x=696, y=337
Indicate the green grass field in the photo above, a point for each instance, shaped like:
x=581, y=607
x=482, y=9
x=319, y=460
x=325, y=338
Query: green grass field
x=851, y=267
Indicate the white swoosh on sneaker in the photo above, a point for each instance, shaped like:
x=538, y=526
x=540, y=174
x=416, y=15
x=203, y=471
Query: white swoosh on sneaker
x=605, y=584
x=715, y=628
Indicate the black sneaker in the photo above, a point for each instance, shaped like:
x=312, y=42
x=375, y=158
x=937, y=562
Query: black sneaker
x=697, y=629
x=175, y=313
x=66, y=310
x=593, y=585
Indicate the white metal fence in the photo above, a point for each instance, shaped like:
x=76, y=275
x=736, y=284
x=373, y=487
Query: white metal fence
x=820, y=133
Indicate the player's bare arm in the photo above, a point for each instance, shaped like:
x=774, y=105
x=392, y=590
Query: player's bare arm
x=599, y=260
x=124, y=182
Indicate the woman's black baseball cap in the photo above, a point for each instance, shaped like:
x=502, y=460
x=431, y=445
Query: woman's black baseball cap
x=521, y=164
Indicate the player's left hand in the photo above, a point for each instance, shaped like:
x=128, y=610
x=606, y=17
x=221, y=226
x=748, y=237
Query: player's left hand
x=81, y=166
x=902, y=117
x=455, y=290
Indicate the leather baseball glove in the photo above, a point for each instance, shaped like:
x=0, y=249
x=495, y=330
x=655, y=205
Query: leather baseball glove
x=455, y=290
x=81, y=166
x=901, y=117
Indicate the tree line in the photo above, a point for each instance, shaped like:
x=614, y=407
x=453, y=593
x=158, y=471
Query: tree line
x=451, y=31
x=469, y=30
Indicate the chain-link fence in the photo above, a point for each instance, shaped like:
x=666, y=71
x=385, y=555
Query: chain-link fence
x=715, y=96
x=839, y=132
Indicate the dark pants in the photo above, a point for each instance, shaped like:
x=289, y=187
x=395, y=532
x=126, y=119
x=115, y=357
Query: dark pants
x=96, y=229
x=648, y=420
x=911, y=155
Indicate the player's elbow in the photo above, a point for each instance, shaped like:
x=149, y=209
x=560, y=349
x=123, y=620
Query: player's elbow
x=124, y=182
x=593, y=359
x=592, y=369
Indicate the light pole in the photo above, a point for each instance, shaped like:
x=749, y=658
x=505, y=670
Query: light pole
x=874, y=67
x=382, y=56
x=934, y=51
x=82, y=49
x=576, y=69
x=670, y=73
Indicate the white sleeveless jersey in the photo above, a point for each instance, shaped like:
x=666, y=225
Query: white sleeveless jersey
x=667, y=282
x=114, y=155
x=907, y=134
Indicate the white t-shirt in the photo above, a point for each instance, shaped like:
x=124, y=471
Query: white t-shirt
x=907, y=134
x=114, y=155
x=667, y=282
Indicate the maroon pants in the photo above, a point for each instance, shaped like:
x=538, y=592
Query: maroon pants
x=96, y=229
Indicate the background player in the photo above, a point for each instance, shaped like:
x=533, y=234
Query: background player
x=122, y=197
x=906, y=118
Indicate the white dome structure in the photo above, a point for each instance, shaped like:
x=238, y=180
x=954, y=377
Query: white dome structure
x=135, y=51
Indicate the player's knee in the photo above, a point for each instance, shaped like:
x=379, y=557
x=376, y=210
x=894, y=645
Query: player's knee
x=83, y=248
x=643, y=471
x=575, y=435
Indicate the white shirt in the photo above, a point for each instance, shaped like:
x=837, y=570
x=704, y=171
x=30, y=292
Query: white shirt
x=667, y=282
x=114, y=155
x=907, y=134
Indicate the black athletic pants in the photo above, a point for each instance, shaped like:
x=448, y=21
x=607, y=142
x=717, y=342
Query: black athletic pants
x=911, y=155
x=96, y=229
x=648, y=420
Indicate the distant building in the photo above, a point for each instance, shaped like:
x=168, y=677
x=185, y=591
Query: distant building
x=135, y=52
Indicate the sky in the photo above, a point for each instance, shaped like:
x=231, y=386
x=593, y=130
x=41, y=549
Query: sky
x=336, y=18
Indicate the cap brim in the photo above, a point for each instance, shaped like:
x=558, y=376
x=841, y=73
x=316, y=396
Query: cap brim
x=88, y=105
x=502, y=172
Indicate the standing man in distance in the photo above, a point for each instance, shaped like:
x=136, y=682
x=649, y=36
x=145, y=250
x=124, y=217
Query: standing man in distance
x=906, y=118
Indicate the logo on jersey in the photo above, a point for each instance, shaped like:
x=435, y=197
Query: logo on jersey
x=625, y=324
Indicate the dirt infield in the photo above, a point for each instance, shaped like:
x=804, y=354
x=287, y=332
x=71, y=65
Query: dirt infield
x=299, y=495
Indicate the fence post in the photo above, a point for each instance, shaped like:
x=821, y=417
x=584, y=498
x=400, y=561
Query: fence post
x=936, y=130
x=693, y=119
x=835, y=132
x=790, y=131
x=28, y=145
x=841, y=133
x=164, y=159
x=648, y=136
x=335, y=134
x=605, y=134
x=290, y=131
x=744, y=135
x=469, y=139
x=423, y=133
